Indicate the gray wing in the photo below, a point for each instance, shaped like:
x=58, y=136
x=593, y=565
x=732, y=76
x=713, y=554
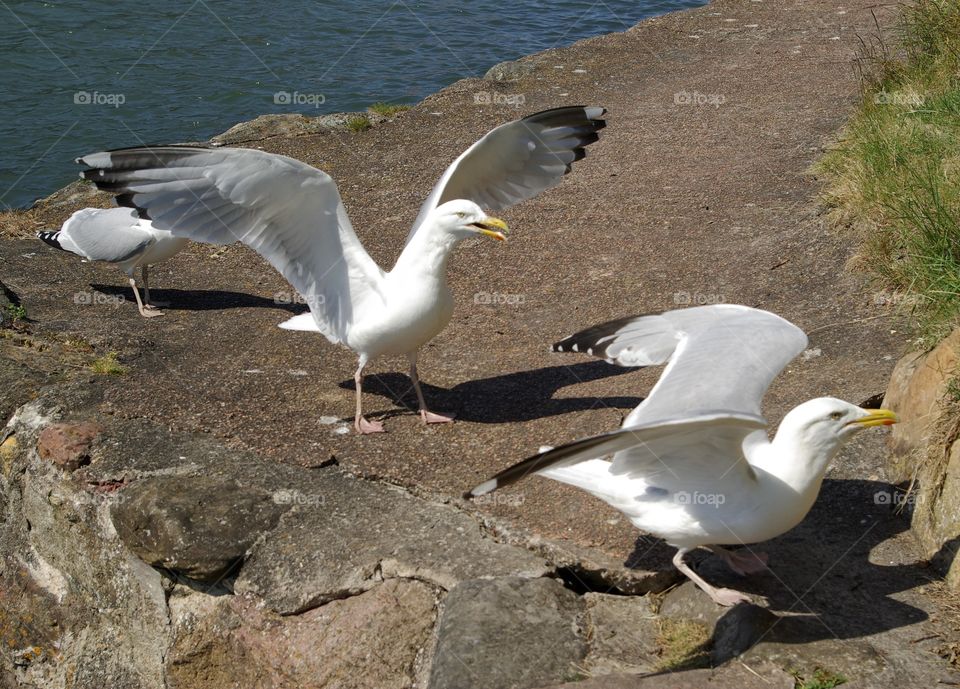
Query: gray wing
x=723, y=426
x=518, y=160
x=689, y=433
x=287, y=211
x=721, y=357
x=115, y=235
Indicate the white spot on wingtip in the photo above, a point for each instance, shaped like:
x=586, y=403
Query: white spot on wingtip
x=575, y=347
x=484, y=488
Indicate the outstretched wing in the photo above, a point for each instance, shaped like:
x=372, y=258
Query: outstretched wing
x=689, y=434
x=518, y=160
x=623, y=439
x=287, y=211
x=721, y=357
x=114, y=235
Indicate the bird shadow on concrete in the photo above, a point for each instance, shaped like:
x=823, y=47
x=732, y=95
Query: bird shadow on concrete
x=512, y=397
x=201, y=300
x=822, y=583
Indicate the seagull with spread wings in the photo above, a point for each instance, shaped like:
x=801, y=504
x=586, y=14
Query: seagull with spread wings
x=693, y=463
x=292, y=215
x=118, y=236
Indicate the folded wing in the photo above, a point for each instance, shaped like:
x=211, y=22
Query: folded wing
x=102, y=234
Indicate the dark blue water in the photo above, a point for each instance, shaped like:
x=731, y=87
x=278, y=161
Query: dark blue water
x=82, y=76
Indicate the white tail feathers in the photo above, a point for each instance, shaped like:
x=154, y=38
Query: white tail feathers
x=303, y=322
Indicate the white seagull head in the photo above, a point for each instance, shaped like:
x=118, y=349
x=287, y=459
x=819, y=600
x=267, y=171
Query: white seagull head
x=825, y=423
x=463, y=219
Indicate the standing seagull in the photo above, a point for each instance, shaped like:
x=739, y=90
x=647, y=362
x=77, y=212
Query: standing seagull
x=121, y=237
x=693, y=464
x=292, y=215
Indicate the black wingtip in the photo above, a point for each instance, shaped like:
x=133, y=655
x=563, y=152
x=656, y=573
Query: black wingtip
x=51, y=238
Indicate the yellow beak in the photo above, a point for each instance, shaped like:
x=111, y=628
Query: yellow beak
x=877, y=417
x=493, y=227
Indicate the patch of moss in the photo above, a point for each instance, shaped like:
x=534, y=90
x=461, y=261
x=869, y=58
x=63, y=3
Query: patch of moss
x=820, y=679
x=683, y=644
x=388, y=109
x=358, y=123
x=109, y=365
x=16, y=312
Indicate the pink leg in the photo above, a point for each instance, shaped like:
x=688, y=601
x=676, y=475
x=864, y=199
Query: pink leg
x=146, y=292
x=724, y=597
x=144, y=311
x=425, y=414
x=361, y=424
x=742, y=562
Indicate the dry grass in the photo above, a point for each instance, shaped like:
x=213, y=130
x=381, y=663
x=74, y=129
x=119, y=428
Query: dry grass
x=892, y=178
x=683, y=644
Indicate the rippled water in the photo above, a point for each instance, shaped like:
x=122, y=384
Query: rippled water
x=80, y=76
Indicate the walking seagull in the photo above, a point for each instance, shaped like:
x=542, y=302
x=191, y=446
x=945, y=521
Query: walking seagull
x=121, y=237
x=291, y=214
x=693, y=463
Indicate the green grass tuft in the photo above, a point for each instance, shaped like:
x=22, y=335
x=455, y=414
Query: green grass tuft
x=358, y=123
x=821, y=679
x=388, y=109
x=893, y=177
x=16, y=312
x=109, y=365
x=683, y=645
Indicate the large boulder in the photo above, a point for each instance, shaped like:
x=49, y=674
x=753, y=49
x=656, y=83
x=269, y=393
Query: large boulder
x=925, y=450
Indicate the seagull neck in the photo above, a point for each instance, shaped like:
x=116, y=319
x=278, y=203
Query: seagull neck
x=427, y=252
x=797, y=459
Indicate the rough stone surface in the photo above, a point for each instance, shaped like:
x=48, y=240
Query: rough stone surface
x=512, y=70
x=288, y=125
x=925, y=450
x=5, y=303
x=198, y=526
x=732, y=676
x=621, y=632
x=76, y=608
x=676, y=202
x=78, y=193
x=916, y=392
x=68, y=444
x=738, y=629
x=346, y=535
x=369, y=641
x=505, y=633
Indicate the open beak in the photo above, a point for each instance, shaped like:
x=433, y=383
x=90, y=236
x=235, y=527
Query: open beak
x=492, y=227
x=876, y=417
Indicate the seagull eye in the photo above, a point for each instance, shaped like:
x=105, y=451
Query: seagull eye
x=461, y=214
x=836, y=416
